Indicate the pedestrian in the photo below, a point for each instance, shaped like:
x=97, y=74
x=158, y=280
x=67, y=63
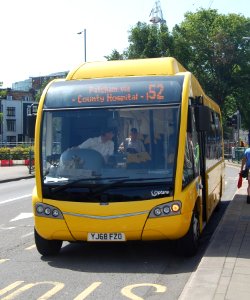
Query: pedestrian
x=242, y=144
x=245, y=165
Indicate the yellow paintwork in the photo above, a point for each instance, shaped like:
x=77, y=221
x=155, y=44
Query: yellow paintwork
x=216, y=178
x=135, y=227
x=76, y=224
x=123, y=68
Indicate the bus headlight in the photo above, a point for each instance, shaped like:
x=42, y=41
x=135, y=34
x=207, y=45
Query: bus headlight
x=55, y=213
x=167, y=209
x=48, y=211
x=157, y=211
x=39, y=209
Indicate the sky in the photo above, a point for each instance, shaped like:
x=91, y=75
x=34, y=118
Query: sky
x=39, y=37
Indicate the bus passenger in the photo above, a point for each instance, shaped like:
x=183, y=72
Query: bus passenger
x=132, y=144
x=103, y=144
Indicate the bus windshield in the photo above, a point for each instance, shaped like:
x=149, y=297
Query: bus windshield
x=87, y=150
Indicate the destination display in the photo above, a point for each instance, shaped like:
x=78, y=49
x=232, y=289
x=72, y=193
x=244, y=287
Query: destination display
x=115, y=91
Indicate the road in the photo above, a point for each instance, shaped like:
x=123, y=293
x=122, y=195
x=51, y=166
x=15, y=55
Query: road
x=135, y=270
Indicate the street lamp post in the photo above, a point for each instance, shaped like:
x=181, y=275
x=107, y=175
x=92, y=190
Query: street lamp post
x=85, y=45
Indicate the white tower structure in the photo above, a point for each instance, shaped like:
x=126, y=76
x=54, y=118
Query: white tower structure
x=156, y=16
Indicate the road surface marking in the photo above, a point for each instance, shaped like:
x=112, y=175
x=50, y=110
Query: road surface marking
x=22, y=216
x=30, y=247
x=28, y=234
x=3, y=260
x=10, y=287
x=127, y=290
x=15, y=199
x=88, y=291
x=6, y=228
x=57, y=287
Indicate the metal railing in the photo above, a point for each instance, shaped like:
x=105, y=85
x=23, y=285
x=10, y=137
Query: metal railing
x=237, y=154
x=15, y=144
x=233, y=152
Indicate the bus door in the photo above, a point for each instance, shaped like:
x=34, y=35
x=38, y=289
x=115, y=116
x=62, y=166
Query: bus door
x=202, y=117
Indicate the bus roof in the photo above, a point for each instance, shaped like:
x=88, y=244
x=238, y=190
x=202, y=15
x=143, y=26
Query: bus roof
x=161, y=66
x=123, y=68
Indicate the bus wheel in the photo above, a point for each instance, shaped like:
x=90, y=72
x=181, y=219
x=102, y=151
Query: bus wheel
x=188, y=245
x=47, y=247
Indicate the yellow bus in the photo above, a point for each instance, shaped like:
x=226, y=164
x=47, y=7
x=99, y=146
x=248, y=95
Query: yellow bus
x=126, y=150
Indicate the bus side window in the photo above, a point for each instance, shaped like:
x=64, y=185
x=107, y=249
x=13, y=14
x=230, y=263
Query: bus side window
x=191, y=157
x=188, y=169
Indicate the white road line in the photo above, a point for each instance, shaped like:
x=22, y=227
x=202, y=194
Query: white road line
x=2, y=226
x=31, y=247
x=3, y=260
x=22, y=216
x=15, y=199
x=28, y=234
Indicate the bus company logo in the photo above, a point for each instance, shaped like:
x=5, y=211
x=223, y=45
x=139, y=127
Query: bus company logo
x=158, y=193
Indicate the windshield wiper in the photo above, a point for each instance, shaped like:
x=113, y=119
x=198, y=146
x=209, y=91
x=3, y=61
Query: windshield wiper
x=72, y=183
x=117, y=183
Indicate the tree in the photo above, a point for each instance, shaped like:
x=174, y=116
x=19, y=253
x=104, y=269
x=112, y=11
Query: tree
x=211, y=46
x=38, y=94
x=115, y=55
x=145, y=40
x=3, y=93
x=148, y=41
x=208, y=44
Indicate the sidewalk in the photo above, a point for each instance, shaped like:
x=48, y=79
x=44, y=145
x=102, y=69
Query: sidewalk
x=224, y=271
x=13, y=173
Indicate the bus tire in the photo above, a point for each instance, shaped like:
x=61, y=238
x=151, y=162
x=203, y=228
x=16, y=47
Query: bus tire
x=188, y=245
x=47, y=247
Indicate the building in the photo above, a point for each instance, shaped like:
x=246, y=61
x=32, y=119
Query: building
x=24, y=85
x=15, y=104
x=36, y=83
x=13, y=108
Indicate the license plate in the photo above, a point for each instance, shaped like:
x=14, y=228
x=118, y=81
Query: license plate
x=106, y=237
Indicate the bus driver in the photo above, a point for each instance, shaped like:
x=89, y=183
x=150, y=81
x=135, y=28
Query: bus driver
x=103, y=144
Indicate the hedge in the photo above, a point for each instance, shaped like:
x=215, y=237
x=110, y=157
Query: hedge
x=16, y=152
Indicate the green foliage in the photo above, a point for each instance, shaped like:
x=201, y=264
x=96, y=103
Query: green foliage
x=40, y=91
x=211, y=46
x=19, y=152
x=115, y=55
x=4, y=153
x=208, y=44
x=3, y=93
x=148, y=41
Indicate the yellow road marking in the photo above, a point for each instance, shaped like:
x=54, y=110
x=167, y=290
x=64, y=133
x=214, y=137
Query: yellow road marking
x=127, y=290
x=10, y=287
x=88, y=291
x=57, y=287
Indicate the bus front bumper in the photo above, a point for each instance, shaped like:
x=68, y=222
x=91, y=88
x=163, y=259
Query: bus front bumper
x=140, y=227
